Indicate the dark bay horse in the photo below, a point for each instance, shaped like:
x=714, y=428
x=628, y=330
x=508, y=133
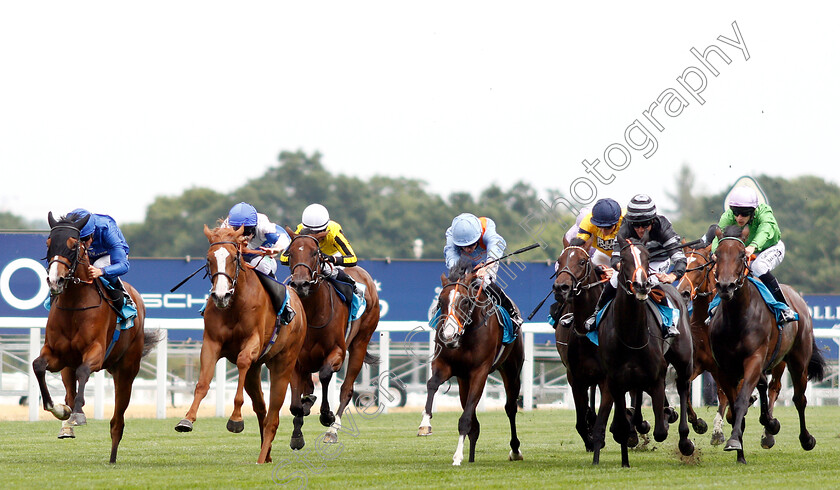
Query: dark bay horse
x=469, y=347
x=747, y=343
x=578, y=284
x=82, y=334
x=240, y=324
x=328, y=338
x=636, y=356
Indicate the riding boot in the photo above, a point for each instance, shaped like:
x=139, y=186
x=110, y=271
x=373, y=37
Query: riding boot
x=505, y=302
x=287, y=315
x=358, y=289
x=787, y=314
x=607, y=295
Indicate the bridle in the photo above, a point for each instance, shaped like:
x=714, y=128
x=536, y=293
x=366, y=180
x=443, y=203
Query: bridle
x=314, y=276
x=71, y=266
x=578, y=285
x=237, y=262
x=745, y=264
x=469, y=314
x=695, y=291
x=639, y=269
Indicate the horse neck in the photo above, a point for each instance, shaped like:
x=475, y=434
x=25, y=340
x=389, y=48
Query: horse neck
x=633, y=320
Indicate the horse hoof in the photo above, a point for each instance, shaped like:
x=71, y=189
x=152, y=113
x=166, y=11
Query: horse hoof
x=717, y=439
x=767, y=441
x=672, y=415
x=700, y=427
x=61, y=411
x=515, y=456
x=733, y=445
x=66, y=433
x=330, y=438
x=77, y=419
x=297, y=443
x=184, y=426
x=808, y=442
x=326, y=419
x=686, y=447
x=425, y=430
x=235, y=427
x=644, y=427
x=633, y=440
x=773, y=426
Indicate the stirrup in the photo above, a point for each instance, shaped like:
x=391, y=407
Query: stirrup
x=589, y=323
x=566, y=320
x=672, y=331
x=287, y=315
x=786, y=316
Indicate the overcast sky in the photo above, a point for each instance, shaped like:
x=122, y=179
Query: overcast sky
x=107, y=105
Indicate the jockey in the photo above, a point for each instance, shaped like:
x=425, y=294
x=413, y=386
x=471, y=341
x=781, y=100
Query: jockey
x=477, y=239
x=108, y=254
x=764, y=240
x=642, y=219
x=336, y=249
x=598, y=229
x=262, y=234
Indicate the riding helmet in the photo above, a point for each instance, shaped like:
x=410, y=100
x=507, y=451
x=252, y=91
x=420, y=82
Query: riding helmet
x=315, y=217
x=466, y=229
x=80, y=213
x=743, y=197
x=242, y=214
x=605, y=213
x=640, y=209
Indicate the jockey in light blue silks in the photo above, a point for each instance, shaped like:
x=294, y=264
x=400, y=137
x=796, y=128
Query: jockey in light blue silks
x=477, y=239
x=263, y=235
x=108, y=254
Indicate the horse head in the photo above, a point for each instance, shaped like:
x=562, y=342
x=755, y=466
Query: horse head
x=633, y=268
x=305, y=261
x=65, y=251
x=457, y=302
x=573, y=268
x=731, y=260
x=224, y=262
x=697, y=278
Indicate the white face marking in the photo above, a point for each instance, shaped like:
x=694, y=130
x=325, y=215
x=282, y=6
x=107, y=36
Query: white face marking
x=637, y=258
x=53, y=272
x=222, y=285
x=450, y=326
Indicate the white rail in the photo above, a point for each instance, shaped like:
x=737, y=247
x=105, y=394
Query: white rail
x=420, y=329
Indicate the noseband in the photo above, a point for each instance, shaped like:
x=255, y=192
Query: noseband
x=223, y=273
x=314, y=277
x=578, y=285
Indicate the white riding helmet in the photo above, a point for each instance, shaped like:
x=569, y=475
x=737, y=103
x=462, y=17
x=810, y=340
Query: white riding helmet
x=466, y=229
x=743, y=197
x=315, y=217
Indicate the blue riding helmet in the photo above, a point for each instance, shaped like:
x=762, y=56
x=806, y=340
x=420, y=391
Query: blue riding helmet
x=242, y=214
x=605, y=213
x=466, y=229
x=90, y=226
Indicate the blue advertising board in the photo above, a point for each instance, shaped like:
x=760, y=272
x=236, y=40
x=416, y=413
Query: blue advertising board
x=407, y=288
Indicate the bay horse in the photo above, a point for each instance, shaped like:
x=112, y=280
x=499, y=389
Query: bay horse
x=747, y=343
x=578, y=284
x=469, y=347
x=82, y=334
x=240, y=324
x=636, y=355
x=328, y=337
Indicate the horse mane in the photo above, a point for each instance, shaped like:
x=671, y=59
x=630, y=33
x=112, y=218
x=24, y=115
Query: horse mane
x=460, y=269
x=732, y=231
x=577, y=242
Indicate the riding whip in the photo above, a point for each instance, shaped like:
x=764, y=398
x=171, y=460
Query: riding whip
x=188, y=278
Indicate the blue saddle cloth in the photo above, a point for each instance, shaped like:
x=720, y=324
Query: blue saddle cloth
x=128, y=312
x=508, y=332
x=668, y=316
x=775, y=306
x=357, y=304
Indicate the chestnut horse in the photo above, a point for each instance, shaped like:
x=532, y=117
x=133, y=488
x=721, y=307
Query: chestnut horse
x=469, y=346
x=240, y=324
x=328, y=338
x=636, y=356
x=578, y=284
x=82, y=334
x=747, y=343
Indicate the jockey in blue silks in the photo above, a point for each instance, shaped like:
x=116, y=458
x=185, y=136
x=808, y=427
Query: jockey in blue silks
x=262, y=235
x=477, y=239
x=108, y=254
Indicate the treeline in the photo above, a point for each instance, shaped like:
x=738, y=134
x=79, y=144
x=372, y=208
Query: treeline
x=383, y=216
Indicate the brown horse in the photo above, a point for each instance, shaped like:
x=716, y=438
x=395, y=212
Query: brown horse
x=328, y=337
x=578, y=284
x=469, y=346
x=636, y=356
x=747, y=343
x=240, y=324
x=82, y=334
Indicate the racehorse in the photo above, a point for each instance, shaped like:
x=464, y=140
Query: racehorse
x=82, y=333
x=469, y=347
x=328, y=336
x=240, y=324
x=747, y=343
x=636, y=356
x=578, y=283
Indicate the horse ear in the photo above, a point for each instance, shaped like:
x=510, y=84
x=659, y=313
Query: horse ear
x=238, y=231
x=291, y=232
x=718, y=232
x=621, y=241
x=51, y=220
x=443, y=280
x=745, y=233
x=82, y=222
x=207, y=232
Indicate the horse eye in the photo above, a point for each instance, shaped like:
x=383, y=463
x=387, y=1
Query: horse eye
x=582, y=262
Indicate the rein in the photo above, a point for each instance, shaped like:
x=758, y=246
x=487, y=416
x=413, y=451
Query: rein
x=695, y=290
x=578, y=286
x=223, y=273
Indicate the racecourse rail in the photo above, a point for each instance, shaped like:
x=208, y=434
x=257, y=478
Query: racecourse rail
x=385, y=328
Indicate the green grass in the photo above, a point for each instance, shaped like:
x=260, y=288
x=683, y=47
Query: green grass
x=386, y=452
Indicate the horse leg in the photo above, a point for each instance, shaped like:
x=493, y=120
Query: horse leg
x=297, y=408
x=600, y=427
x=621, y=426
x=48, y=361
x=752, y=374
x=358, y=349
x=77, y=418
x=332, y=364
x=280, y=372
x=771, y=393
x=123, y=379
x=717, y=431
x=253, y=386
x=799, y=378
x=68, y=378
x=683, y=388
x=470, y=390
x=510, y=377
x=580, y=394
x=440, y=373
x=210, y=353
x=244, y=361
x=660, y=422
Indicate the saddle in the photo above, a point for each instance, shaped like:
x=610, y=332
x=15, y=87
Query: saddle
x=275, y=289
x=345, y=290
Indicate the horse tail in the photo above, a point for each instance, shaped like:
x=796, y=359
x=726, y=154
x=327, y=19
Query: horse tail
x=817, y=365
x=371, y=359
x=150, y=340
